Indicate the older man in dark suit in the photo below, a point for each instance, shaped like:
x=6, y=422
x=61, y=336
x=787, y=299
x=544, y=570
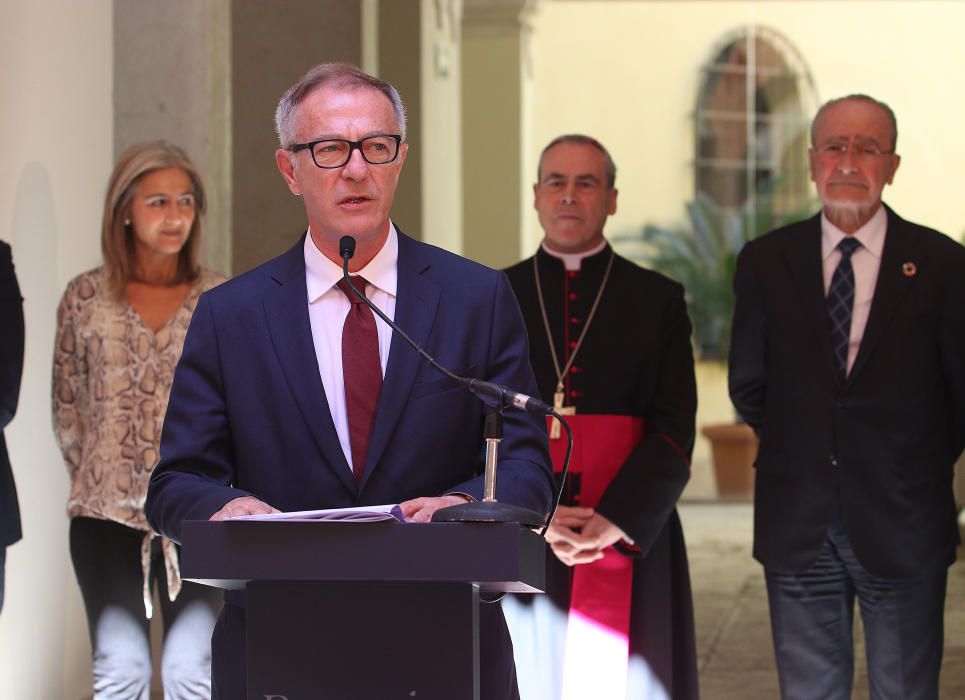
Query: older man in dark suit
x=291, y=396
x=848, y=359
x=11, y=370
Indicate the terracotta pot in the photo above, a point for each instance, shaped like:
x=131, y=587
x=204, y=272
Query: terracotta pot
x=734, y=448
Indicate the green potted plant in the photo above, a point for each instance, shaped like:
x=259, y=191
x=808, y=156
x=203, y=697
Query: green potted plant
x=702, y=256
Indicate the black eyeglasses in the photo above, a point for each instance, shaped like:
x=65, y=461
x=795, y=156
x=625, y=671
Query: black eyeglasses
x=334, y=153
x=862, y=150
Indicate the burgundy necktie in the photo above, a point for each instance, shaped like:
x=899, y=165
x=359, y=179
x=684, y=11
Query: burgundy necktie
x=362, y=371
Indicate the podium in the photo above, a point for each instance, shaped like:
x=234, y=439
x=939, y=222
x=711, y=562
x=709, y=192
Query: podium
x=363, y=611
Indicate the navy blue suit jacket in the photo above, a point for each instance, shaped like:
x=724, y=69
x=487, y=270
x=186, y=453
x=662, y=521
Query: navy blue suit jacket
x=884, y=440
x=248, y=414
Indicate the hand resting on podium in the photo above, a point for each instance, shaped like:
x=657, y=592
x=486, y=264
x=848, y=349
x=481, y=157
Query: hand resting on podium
x=243, y=505
x=420, y=510
x=417, y=510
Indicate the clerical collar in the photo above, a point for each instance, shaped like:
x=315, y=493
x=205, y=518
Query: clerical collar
x=573, y=261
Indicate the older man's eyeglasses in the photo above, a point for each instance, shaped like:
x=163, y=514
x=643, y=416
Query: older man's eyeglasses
x=334, y=153
x=862, y=150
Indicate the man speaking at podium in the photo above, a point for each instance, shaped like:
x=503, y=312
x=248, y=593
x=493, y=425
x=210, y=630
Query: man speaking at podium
x=270, y=411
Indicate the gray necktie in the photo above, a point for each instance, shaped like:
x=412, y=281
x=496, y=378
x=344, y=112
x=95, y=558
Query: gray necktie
x=841, y=303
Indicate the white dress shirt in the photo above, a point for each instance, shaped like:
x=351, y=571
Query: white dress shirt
x=327, y=308
x=865, y=261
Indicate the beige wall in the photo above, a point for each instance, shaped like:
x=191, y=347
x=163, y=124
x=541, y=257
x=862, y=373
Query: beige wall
x=57, y=144
x=627, y=72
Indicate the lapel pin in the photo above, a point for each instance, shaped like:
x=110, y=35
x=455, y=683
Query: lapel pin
x=909, y=269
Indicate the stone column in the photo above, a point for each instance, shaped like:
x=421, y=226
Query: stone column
x=171, y=64
x=207, y=76
x=272, y=45
x=495, y=77
x=399, y=42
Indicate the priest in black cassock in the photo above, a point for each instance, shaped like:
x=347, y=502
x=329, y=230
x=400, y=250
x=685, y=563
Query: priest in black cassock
x=610, y=344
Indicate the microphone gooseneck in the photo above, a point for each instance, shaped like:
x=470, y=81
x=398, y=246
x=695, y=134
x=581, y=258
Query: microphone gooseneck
x=502, y=395
x=346, y=248
x=497, y=392
x=521, y=401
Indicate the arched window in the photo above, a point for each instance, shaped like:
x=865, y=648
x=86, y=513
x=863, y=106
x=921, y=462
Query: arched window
x=753, y=114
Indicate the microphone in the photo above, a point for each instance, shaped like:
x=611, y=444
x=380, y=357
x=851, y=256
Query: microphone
x=346, y=247
x=488, y=510
x=508, y=396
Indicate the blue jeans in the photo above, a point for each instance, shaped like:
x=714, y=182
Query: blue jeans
x=107, y=561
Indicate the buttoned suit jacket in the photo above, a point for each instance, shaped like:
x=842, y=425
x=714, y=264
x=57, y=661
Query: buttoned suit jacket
x=11, y=371
x=884, y=440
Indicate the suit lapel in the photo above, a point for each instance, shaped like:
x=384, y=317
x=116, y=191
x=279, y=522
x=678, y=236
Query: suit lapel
x=415, y=310
x=891, y=287
x=803, y=258
x=286, y=312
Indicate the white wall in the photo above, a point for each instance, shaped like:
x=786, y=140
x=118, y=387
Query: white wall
x=56, y=140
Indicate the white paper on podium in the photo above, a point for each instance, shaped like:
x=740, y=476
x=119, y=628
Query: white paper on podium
x=360, y=514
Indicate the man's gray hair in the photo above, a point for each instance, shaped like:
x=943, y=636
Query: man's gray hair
x=609, y=166
x=338, y=75
x=866, y=98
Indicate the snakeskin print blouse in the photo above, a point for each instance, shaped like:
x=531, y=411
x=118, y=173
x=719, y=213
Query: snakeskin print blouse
x=111, y=379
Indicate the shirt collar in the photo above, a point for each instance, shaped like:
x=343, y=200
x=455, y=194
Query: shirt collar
x=871, y=235
x=573, y=261
x=321, y=274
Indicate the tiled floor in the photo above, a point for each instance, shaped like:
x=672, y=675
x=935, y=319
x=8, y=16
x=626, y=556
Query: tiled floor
x=735, y=659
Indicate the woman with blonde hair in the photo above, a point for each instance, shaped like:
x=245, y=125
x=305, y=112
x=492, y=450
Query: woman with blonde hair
x=120, y=329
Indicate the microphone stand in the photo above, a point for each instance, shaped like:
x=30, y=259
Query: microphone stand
x=488, y=510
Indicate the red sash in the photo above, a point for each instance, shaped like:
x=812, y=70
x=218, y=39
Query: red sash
x=597, y=643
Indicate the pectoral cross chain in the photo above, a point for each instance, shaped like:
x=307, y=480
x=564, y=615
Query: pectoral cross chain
x=560, y=394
